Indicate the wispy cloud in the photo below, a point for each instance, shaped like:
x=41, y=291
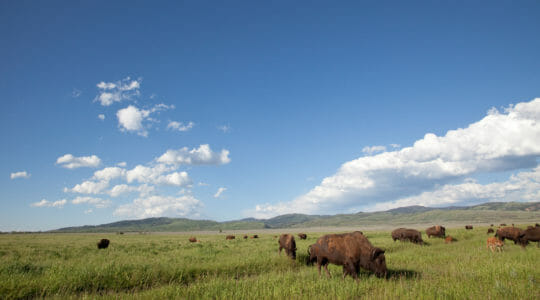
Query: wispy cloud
x=501, y=141
x=69, y=161
x=111, y=92
x=179, y=126
x=46, y=203
x=75, y=93
x=21, y=174
x=224, y=128
x=219, y=192
x=373, y=149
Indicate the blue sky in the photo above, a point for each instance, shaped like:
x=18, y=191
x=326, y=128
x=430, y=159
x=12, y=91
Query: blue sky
x=213, y=110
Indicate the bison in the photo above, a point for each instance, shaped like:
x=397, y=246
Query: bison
x=490, y=230
x=494, y=243
x=350, y=250
x=245, y=236
x=302, y=236
x=193, y=239
x=468, y=227
x=103, y=244
x=286, y=241
x=503, y=224
x=449, y=239
x=404, y=234
x=230, y=237
x=438, y=231
x=511, y=233
x=530, y=235
x=254, y=236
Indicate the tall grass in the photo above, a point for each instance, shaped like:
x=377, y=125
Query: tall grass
x=168, y=266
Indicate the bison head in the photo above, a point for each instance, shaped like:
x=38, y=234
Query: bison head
x=378, y=262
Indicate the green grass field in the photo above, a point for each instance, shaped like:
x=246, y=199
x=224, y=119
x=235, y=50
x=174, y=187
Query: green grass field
x=168, y=266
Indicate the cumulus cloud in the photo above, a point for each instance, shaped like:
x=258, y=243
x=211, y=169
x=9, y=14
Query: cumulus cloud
x=89, y=187
x=179, y=126
x=196, y=156
x=69, y=161
x=96, y=202
x=501, y=141
x=21, y=174
x=45, y=203
x=219, y=192
x=157, y=206
x=109, y=173
x=121, y=189
x=111, y=92
x=133, y=119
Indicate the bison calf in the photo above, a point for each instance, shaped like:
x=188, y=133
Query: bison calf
x=494, y=243
x=103, y=244
x=287, y=242
x=449, y=239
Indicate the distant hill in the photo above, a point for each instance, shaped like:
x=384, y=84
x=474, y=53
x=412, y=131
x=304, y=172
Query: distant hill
x=492, y=212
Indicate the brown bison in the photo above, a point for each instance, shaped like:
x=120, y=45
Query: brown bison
x=494, y=243
x=438, y=231
x=254, y=236
x=245, y=236
x=193, y=239
x=286, y=241
x=511, y=233
x=302, y=236
x=503, y=224
x=103, y=244
x=468, y=227
x=230, y=237
x=404, y=234
x=490, y=230
x=531, y=234
x=350, y=250
x=449, y=239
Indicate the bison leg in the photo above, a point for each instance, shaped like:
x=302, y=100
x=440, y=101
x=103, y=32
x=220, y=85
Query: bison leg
x=279, y=252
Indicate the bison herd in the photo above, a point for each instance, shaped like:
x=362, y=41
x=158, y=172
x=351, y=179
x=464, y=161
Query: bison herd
x=354, y=251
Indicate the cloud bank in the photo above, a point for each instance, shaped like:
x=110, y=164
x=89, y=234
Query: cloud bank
x=435, y=169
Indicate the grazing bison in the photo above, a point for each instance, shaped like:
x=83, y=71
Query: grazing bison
x=530, y=235
x=230, y=237
x=254, y=236
x=193, y=239
x=468, y=227
x=350, y=250
x=503, y=224
x=286, y=241
x=511, y=233
x=438, y=231
x=245, y=236
x=494, y=243
x=404, y=234
x=103, y=244
x=490, y=230
x=449, y=239
x=302, y=236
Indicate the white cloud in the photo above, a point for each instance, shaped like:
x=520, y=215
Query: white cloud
x=69, y=161
x=96, y=202
x=156, y=175
x=76, y=93
x=89, y=187
x=101, y=117
x=501, y=141
x=121, y=189
x=122, y=164
x=111, y=92
x=109, y=173
x=373, y=149
x=132, y=119
x=21, y=174
x=219, y=192
x=179, y=126
x=200, y=156
x=45, y=203
x=224, y=128
x=157, y=206
x=395, y=146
